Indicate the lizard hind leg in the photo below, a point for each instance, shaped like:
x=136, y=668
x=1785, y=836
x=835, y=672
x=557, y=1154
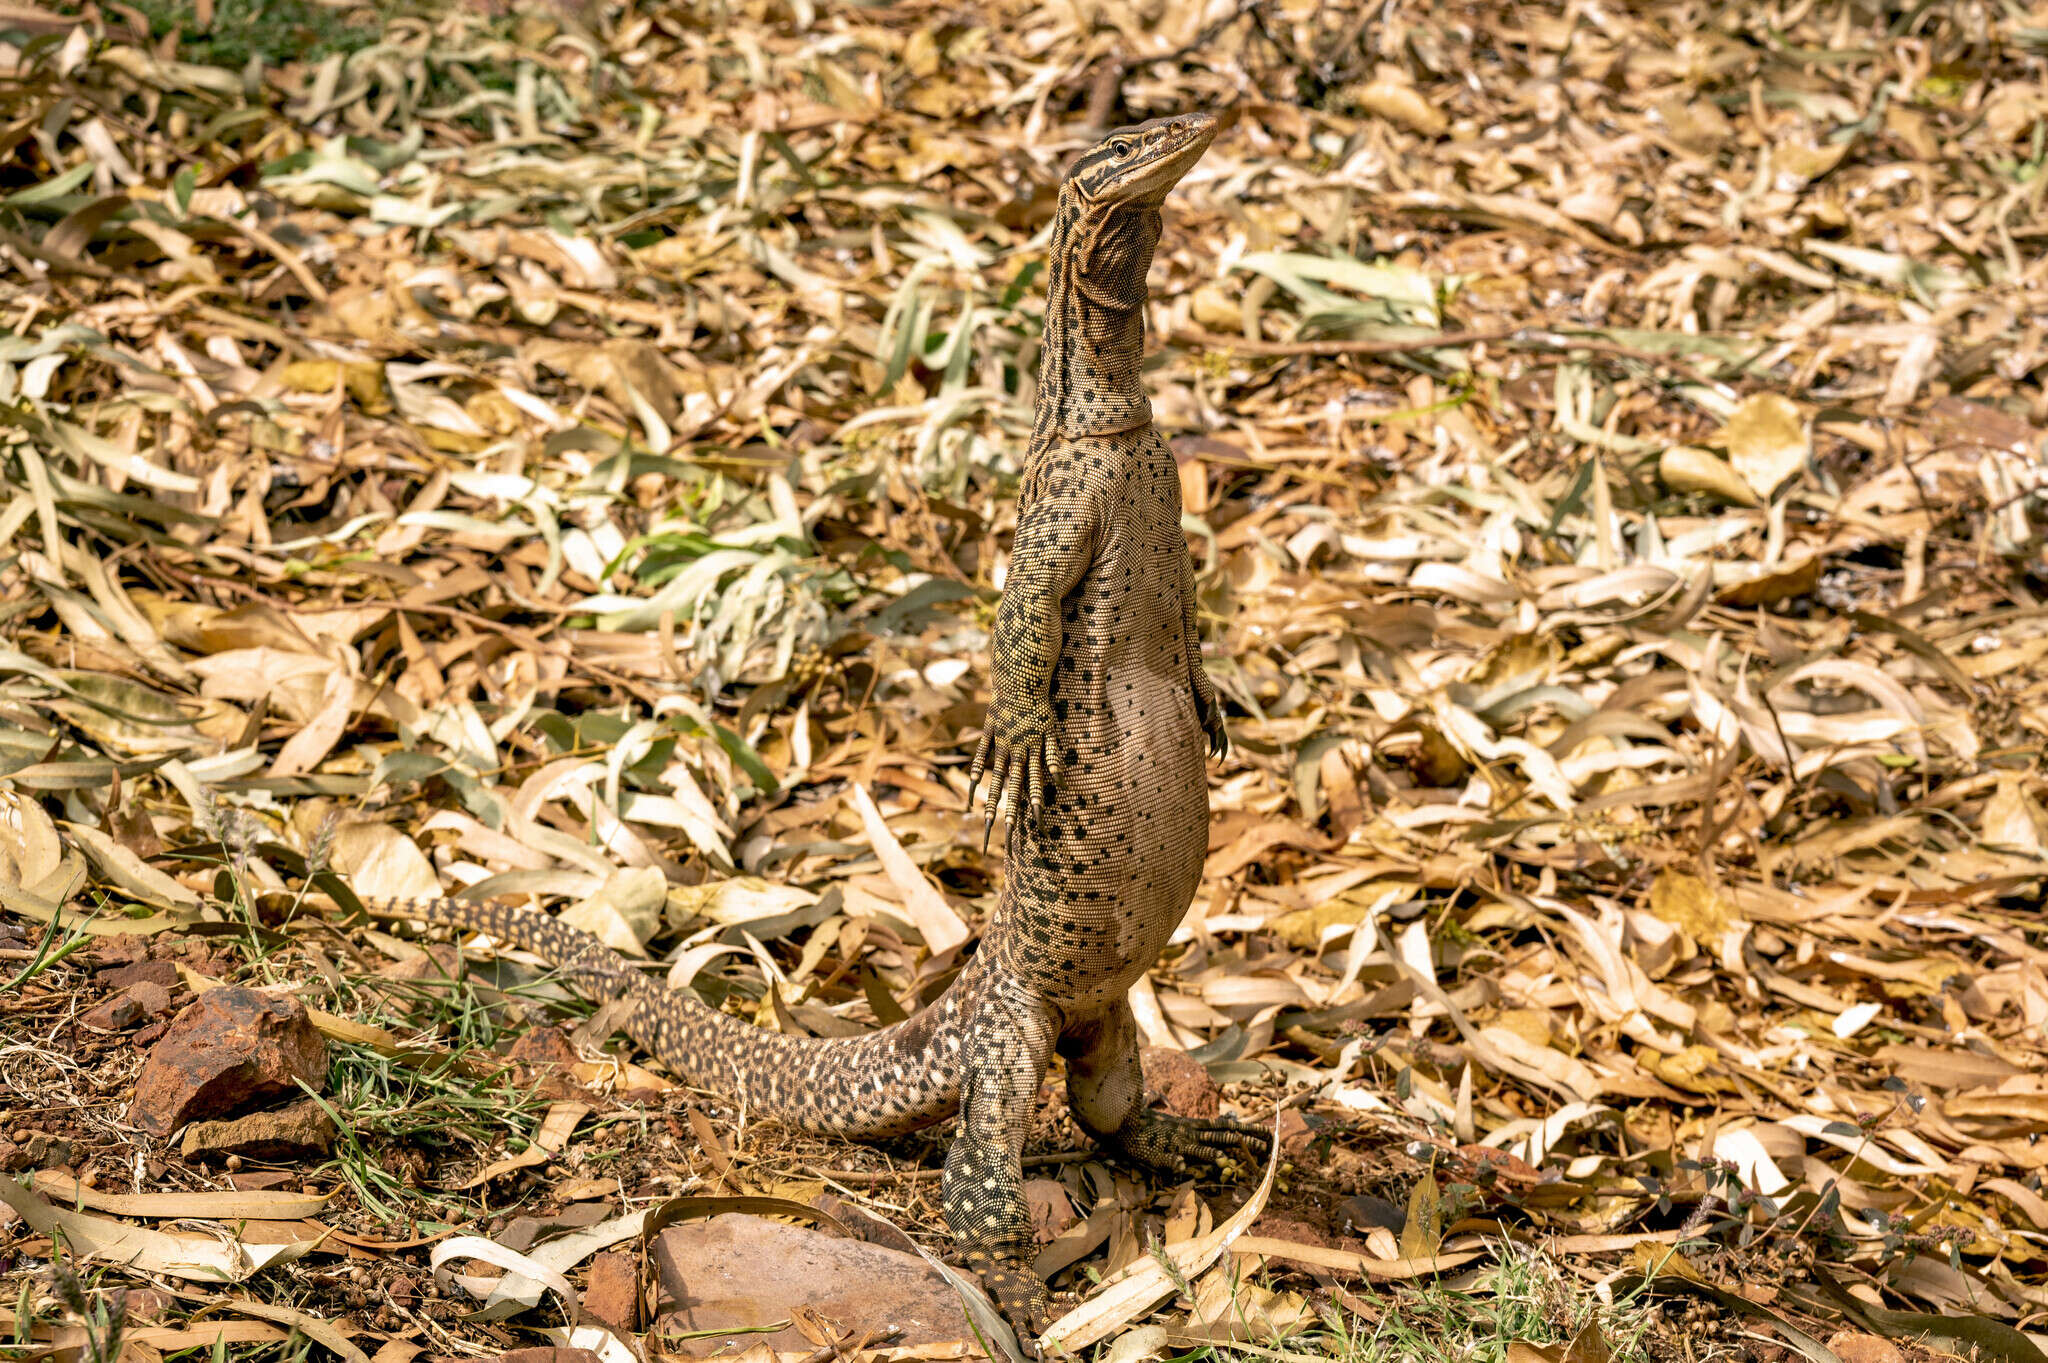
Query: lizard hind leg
x=1106, y=1087
x=983, y=1193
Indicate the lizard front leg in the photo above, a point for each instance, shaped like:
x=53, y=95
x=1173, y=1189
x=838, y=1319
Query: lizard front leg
x=1009, y=1042
x=1021, y=749
x=1208, y=705
x=1106, y=1088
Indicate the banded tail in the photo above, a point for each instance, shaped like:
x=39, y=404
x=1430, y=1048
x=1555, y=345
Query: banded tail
x=894, y=1080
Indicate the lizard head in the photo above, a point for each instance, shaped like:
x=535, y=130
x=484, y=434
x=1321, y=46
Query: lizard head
x=1136, y=166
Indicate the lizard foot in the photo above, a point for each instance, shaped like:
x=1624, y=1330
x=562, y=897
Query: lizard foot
x=1021, y=753
x=1166, y=1144
x=1018, y=1292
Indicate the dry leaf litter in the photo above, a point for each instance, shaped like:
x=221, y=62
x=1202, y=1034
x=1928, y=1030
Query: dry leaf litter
x=570, y=455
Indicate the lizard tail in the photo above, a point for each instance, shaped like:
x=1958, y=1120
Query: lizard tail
x=890, y=1081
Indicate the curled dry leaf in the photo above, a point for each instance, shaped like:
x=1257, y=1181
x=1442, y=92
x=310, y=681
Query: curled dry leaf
x=1767, y=442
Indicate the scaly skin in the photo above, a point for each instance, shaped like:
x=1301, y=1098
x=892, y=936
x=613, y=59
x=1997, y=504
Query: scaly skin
x=1096, y=731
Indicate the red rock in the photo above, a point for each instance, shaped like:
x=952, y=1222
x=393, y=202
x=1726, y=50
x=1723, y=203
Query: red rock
x=1180, y=1083
x=231, y=1050
x=298, y=1131
x=119, y=951
x=164, y=973
x=734, y=1272
x=154, y=998
x=116, y=1014
x=613, y=1294
x=129, y=1008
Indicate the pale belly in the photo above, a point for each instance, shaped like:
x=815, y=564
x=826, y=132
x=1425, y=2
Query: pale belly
x=1091, y=896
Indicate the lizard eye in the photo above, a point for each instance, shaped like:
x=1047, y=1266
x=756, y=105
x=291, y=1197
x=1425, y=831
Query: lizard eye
x=1120, y=148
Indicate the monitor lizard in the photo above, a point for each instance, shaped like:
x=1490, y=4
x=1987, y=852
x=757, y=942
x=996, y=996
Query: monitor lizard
x=1095, y=736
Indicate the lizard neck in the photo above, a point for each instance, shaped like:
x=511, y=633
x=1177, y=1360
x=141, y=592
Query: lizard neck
x=1094, y=343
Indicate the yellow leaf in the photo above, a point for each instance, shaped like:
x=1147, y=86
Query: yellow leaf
x=921, y=55
x=1215, y=309
x=1793, y=164
x=1304, y=927
x=363, y=380
x=1533, y=1025
x=2013, y=819
x=1424, y=1231
x=842, y=91
x=1692, y=906
x=1392, y=98
x=1766, y=441
x=1691, y=1069
x=1696, y=124
x=449, y=442
x=1688, y=468
x=1653, y=1260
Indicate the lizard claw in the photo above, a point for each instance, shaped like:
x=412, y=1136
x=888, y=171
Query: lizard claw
x=1020, y=756
x=1209, y=706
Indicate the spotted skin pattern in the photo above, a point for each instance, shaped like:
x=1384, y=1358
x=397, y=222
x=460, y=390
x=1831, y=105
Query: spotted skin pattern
x=1099, y=720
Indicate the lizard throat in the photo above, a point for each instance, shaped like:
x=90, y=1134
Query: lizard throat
x=1089, y=382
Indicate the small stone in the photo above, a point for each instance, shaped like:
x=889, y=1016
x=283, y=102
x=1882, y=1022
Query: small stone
x=140, y=1000
x=279, y=1136
x=613, y=1294
x=116, y=1014
x=1180, y=1083
x=154, y=998
x=1853, y=1346
x=230, y=1050
x=119, y=951
x=163, y=973
x=739, y=1273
